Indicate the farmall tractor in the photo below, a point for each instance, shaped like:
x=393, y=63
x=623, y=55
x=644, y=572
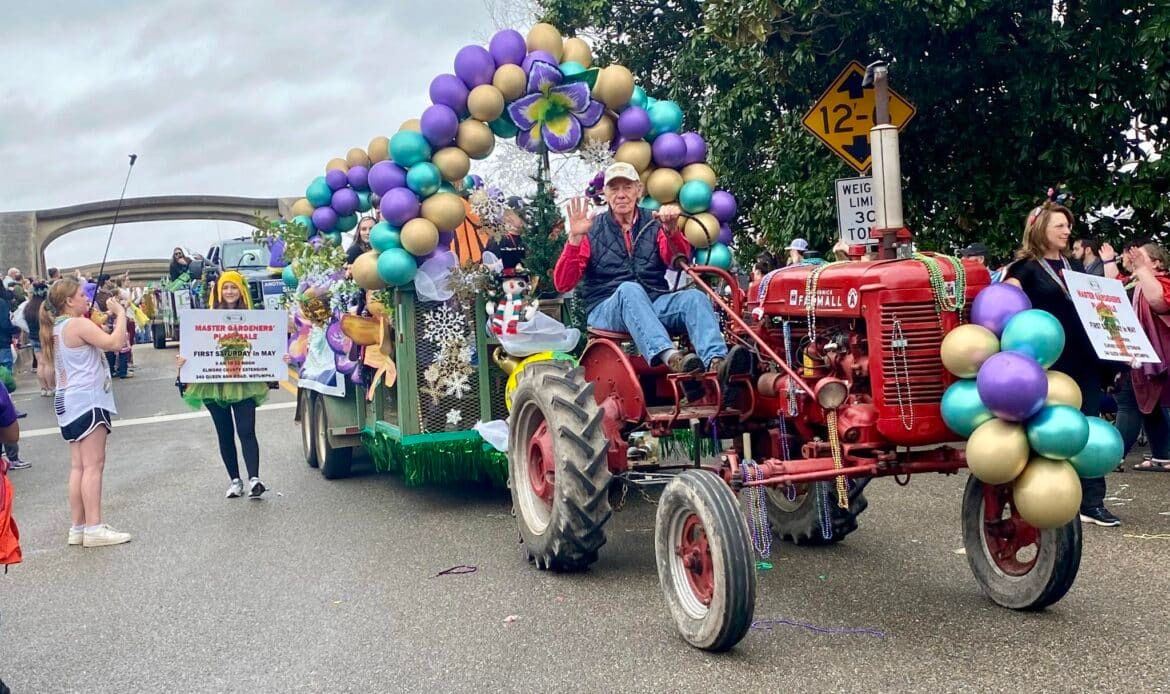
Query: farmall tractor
x=846, y=387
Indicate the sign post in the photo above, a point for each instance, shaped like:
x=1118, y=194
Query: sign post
x=855, y=210
x=1109, y=319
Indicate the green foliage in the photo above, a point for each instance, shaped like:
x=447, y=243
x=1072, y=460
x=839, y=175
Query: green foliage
x=1011, y=99
x=542, y=245
x=306, y=258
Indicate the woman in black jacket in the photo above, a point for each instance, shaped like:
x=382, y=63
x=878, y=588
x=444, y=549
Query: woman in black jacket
x=180, y=263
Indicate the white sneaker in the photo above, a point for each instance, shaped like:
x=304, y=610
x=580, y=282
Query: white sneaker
x=76, y=536
x=256, y=488
x=236, y=490
x=103, y=536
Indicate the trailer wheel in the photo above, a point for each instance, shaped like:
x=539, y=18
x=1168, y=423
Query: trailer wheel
x=704, y=556
x=306, y=403
x=800, y=520
x=333, y=462
x=557, y=467
x=160, y=336
x=1018, y=566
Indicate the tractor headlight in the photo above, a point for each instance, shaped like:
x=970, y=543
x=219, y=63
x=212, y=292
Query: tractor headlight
x=831, y=393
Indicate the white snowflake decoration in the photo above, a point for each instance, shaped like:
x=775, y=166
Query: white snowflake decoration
x=432, y=374
x=465, y=354
x=443, y=325
x=454, y=417
x=596, y=155
x=458, y=385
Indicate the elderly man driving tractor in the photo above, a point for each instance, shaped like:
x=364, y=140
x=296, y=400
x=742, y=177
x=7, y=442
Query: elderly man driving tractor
x=621, y=258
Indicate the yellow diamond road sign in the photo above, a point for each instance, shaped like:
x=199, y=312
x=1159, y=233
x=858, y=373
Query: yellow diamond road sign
x=844, y=114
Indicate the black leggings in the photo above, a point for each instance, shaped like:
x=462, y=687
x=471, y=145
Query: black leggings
x=245, y=426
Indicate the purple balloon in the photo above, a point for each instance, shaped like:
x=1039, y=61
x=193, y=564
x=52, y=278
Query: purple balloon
x=537, y=55
x=337, y=179
x=386, y=175
x=722, y=206
x=670, y=150
x=724, y=234
x=618, y=141
x=445, y=238
x=995, y=305
x=345, y=201
x=508, y=47
x=449, y=90
x=634, y=123
x=477, y=180
x=359, y=178
x=475, y=66
x=336, y=339
x=696, y=148
x=1012, y=385
x=399, y=206
x=439, y=124
x=324, y=218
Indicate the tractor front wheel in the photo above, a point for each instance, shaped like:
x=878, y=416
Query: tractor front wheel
x=1018, y=566
x=704, y=556
x=557, y=465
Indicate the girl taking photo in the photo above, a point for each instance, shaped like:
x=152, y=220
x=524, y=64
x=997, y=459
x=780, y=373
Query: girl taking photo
x=227, y=400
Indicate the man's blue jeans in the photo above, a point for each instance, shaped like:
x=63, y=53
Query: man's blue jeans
x=650, y=323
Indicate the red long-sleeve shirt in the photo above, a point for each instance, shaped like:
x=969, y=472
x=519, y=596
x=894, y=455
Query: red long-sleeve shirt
x=571, y=265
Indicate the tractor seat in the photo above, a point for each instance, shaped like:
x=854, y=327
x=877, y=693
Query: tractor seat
x=608, y=334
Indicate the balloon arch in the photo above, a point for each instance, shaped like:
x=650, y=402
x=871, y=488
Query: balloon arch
x=546, y=92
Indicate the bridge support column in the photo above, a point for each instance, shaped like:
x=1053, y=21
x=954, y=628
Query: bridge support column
x=18, y=243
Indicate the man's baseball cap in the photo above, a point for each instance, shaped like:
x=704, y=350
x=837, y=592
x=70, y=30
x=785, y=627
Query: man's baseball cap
x=798, y=245
x=976, y=249
x=620, y=169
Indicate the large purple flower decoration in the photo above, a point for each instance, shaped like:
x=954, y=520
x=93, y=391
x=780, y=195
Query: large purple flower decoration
x=552, y=111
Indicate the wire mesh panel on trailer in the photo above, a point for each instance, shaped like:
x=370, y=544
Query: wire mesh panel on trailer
x=446, y=365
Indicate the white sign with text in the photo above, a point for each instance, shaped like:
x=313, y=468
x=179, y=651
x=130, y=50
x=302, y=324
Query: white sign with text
x=855, y=212
x=1109, y=319
x=233, y=346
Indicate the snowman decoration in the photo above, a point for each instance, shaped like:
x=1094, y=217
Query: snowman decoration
x=515, y=305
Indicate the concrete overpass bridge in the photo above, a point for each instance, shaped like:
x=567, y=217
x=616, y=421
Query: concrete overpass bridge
x=141, y=271
x=24, y=236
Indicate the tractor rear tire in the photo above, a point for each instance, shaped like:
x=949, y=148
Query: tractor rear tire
x=705, y=561
x=308, y=438
x=562, y=526
x=334, y=463
x=800, y=521
x=1042, y=579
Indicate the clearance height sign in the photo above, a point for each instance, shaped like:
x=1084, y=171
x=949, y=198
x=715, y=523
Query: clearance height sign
x=233, y=346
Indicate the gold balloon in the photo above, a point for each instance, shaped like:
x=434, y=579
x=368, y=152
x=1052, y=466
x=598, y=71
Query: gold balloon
x=420, y=236
x=475, y=138
x=702, y=230
x=452, y=162
x=602, y=132
x=1047, y=493
x=411, y=124
x=965, y=348
x=614, y=87
x=379, y=149
x=511, y=81
x=485, y=103
x=699, y=172
x=998, y=451
x=645, y=176
x=663, y=186
x=302, y=206
x=444, y=210
x=546, y=37
x=577, y=51
x=337, y=163
x=357, y=157
x=636, y=153
x=1062, y=390
x=365, y=271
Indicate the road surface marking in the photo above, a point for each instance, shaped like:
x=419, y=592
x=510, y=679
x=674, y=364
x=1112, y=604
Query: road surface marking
x=156, y=419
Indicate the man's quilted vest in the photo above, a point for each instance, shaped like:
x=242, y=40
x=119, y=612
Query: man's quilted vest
x=610, y=264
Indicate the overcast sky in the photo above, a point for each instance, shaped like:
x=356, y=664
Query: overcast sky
x=247, y=98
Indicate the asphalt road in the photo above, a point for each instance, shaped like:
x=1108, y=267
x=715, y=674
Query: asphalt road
x=330, y=587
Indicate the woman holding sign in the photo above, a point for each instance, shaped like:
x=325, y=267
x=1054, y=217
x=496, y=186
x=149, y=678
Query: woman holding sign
x=238, y=399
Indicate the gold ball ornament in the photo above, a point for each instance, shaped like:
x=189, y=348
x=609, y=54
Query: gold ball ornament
x=577, y=51
x=452, y=162
x=614, y=87
x=420, y=236
x=365, y=271
x=337, y=163
x=411, y=124
x=637, y=154
x=302, y=206
x=604, y=131
x=1062, y=390
x=1047, y=493
x=699, y=172
x=701, y=230
x=965, y=348
x=379, y=149
x=511, y=81
x=444, y=210
x=998, y=451
x=357, y=157
x=663, y=186
x=485, y=103
x=475, y=138
x=546, y=37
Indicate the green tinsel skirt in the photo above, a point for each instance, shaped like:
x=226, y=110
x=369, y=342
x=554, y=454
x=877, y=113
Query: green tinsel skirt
x=225, y=394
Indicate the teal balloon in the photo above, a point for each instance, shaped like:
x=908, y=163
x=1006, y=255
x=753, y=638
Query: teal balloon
x=665, y=117
x=364, y=204
x=650, y=101
x=1035, y=333
x=396, y=267
x=334, y=237
x=289, y=277
x=1059, y=432
x=468, y=182
x=639, y=97
x=962, y=410
x=694, y=196
x=424, y=179
x=717, y=255
x=384, y=236
x=1102, y=453
x=446, y=187
x=649, y=203
x=307, y=222
x=319, y=193
x=570, y=68
x=504, y=127
x=345, y=223
x=408, y=148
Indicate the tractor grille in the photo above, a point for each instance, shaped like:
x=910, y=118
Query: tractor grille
x=920, y=378
x=445, y=340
